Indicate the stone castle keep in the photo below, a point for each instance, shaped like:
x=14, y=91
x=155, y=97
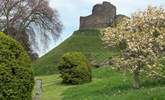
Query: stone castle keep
x=103, y=15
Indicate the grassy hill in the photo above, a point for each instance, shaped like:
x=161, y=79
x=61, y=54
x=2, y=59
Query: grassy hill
x=107, y=84
x=85, y=41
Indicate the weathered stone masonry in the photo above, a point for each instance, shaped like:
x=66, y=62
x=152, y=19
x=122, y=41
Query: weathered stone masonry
x=102, y=16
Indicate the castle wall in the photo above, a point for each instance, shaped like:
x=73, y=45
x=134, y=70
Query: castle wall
x=102, y=16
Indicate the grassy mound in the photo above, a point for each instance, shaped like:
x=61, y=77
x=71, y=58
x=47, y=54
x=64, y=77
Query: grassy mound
x=85, y=41
x=107, y=84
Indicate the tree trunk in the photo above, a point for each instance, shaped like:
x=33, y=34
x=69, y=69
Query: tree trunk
x=136, y=84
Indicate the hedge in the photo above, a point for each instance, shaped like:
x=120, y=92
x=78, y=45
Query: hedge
x=16, y=76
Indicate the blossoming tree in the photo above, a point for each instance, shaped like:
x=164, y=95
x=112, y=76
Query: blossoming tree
x=144, y=34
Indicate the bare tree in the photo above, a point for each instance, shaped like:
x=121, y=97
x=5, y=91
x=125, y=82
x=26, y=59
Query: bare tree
x=27, y=15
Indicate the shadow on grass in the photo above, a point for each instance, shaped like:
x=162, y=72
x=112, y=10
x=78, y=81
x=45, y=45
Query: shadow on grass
x=152, y=83
x=106, y=88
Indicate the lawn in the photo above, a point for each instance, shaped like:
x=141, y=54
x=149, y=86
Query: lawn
x=107, y=84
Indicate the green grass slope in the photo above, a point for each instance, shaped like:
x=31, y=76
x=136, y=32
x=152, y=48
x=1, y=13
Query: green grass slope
x=85, y=41
x=107, y=84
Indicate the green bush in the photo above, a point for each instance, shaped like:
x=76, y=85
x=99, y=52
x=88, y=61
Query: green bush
x=160, y=69
x=16, y=77
x=75, y=68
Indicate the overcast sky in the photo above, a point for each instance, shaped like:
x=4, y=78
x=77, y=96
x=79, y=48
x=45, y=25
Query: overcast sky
x=71, y=10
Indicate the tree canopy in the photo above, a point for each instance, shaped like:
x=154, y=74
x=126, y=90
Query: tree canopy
x=144, y=34
x=28, y=16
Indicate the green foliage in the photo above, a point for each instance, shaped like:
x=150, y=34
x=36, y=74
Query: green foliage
x=16, y=77
x=86, y=41
x=160, y=69
x=75, y=68
x=12, y=53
